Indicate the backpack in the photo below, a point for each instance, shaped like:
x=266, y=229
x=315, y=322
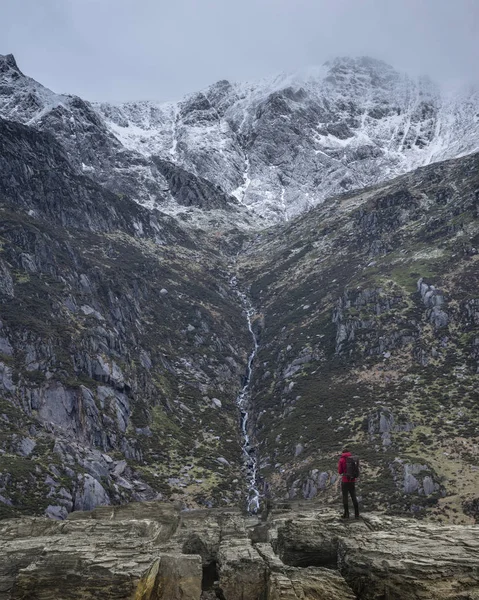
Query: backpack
x=352, y=467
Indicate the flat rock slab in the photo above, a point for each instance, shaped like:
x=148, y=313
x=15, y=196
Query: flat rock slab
x=309, y=583
x=155, y=552
x=415, y=560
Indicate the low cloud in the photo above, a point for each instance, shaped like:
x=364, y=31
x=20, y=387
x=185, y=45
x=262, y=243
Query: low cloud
x=157, y=49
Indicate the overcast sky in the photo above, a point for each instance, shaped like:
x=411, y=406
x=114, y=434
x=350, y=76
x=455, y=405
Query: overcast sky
x=162, y=49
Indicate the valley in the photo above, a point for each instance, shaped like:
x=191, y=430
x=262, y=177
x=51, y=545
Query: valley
x=202, y=303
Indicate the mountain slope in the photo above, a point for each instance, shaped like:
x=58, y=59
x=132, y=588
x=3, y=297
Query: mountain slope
x=122, y=345
x=124, y=339
x=369, y=329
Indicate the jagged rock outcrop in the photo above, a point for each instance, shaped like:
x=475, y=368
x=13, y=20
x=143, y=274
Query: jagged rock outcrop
x=146, y=552
x=190, y=190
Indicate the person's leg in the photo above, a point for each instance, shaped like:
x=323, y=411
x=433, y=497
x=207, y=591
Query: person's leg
x=352, y=491
x=344, y=489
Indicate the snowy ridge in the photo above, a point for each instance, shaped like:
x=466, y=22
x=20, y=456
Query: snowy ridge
x=94, y=149
x=283, y=144
x=278, y=146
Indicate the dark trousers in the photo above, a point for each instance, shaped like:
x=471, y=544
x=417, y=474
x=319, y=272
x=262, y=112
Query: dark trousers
x=349, y=487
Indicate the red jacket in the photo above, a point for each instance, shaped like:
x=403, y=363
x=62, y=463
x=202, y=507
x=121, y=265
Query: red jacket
x=342, y=467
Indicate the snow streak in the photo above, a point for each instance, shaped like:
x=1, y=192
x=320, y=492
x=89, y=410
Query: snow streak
x=240, y=192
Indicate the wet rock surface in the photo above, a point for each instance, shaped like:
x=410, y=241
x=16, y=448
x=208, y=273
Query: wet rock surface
x=153, y=551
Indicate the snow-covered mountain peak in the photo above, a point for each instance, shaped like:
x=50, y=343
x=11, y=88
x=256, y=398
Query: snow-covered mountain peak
x=361, y=64
x=22, y=98
x=340, y=73
x=286, y=142
x=8, y=65
x=279, y=145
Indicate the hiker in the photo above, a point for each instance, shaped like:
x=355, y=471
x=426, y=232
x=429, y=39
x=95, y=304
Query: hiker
x=348, y=467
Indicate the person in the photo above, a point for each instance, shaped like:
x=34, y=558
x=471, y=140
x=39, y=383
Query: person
x=348, y=485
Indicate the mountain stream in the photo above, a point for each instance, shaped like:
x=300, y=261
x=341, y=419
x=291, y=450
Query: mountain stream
x=242, y=401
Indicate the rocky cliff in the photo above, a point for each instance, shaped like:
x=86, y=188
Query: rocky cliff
x=154, y=552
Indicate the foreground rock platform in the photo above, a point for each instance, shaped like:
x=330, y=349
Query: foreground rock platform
x=155, y=551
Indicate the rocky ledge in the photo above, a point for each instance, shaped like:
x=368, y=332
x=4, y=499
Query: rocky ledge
x=153, y=551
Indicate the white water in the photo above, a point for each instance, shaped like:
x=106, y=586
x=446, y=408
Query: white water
x=242, y=401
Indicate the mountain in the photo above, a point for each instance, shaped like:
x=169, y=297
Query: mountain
x=284, y=144
x=278, y=146
x=161, y=338
x=94, y=151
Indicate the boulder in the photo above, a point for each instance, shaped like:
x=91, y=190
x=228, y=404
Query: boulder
x=89, y=494
x=56, y=512
x=242, y=571
x=172, y=577
x=411, y=560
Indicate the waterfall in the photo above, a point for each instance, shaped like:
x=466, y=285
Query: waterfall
x=242, y=401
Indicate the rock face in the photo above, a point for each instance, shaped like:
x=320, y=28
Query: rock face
x=429, y=556
x=279, y=146
x=291, y=141
x=151, y=551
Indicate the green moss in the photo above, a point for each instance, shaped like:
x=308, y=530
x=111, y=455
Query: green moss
x=17, y=466
x=407, y=275
x=7, y=359
x=75, y=381
x=162, y=423
x=35, y=376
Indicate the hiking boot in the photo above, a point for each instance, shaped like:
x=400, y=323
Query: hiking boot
x=356, y=515
x=345, y=516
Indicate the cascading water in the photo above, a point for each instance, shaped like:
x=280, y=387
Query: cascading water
x=242, y=401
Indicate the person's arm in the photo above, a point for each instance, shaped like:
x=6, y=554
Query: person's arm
x=340, y=466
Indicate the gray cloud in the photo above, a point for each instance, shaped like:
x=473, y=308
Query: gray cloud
x=160, y=49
